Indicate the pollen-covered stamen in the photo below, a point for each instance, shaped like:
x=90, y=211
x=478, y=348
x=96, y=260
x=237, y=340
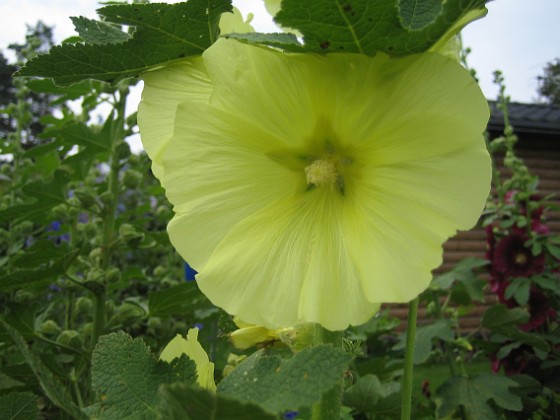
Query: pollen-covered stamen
x=321, y=172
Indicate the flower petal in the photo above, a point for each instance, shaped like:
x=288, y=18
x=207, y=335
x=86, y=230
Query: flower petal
x=164, y=89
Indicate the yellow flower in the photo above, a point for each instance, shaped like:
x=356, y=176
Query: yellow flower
x=192, y=348
x=311, y=188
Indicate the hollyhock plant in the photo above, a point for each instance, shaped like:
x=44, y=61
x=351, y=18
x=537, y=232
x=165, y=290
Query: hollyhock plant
x=312, y=188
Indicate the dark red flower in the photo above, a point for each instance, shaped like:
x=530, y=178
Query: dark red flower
x=512, y=259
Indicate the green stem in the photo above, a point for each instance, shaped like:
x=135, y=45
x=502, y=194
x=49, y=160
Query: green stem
x=409, y=361
x=328, y=408
x=100, y=292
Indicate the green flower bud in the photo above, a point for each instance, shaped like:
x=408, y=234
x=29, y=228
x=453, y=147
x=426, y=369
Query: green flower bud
x=130, y=235
x=70, y=338
x=113, y=275
x=84, y=305
x=86, y=197
x=106, y=197
x=60, y=212
x=49, y=327
x=132, y=179
x=159, y=271
x=128, y=314
x=123, y=150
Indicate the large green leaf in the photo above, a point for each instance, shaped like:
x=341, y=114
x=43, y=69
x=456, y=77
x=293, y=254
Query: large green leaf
x=97, y=32
x=286, y=384
x=162, y=33
x=18, y=406
x=396, y=27
x=183, y=402
x=126, y=377
x=473, y=395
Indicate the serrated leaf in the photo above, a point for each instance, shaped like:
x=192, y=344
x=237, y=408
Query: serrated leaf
x=163, y=33
x=51, y=386
x=364, y=26
x=278, y=384
x=97, y=32
x=183, y=402
x=126, y=377
x=18, y=406
x=473, y=395
x=176, y=300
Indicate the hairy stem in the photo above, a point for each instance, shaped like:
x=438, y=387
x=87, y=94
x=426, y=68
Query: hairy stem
x=409, y=361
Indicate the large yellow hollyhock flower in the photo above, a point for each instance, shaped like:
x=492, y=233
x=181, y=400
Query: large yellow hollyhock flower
x=311, y=188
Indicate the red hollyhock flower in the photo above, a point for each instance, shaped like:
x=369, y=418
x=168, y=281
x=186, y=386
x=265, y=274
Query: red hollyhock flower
x=512, y=259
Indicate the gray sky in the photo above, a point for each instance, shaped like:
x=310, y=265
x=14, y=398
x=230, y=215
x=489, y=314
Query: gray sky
x=518, y=36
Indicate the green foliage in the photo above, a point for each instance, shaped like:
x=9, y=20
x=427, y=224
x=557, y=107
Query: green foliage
x=300, y=380
x=549, y=82
x=126, y=377
x=473, y=394
x=18, y=406
x=182, y=402
x=440, y=329
x=162, y=33
x=370, y=395
x=52, y=387
x=396, y=28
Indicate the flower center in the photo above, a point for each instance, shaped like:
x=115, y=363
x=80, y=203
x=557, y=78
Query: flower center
x=321, y=172
x=520, y=259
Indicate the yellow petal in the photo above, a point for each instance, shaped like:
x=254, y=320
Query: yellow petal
x=192, y=348
x=164, y=90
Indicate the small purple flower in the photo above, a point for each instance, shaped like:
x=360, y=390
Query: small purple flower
x=289, y=415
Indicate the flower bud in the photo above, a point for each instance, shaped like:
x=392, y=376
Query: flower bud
x=132, y=179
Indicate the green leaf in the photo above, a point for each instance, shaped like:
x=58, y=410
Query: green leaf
x=97, y=32
x=363, y=26
x=51, y=386
x=39, y=263
x=365, y=393
x=554, y=250
x=45, y=196
x=424, y=336
x=548, y=282
x=183, y=402
x=498, y=317
x=126, y=377
x=519, y=289
x=473, y=395
x=163, y=33
x=288, y=42
x=176, y=300
x=18, y=406
x=418, y=14
x=278, y=384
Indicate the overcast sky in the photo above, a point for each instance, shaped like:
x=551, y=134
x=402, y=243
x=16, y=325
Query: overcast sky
x=518, y=36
